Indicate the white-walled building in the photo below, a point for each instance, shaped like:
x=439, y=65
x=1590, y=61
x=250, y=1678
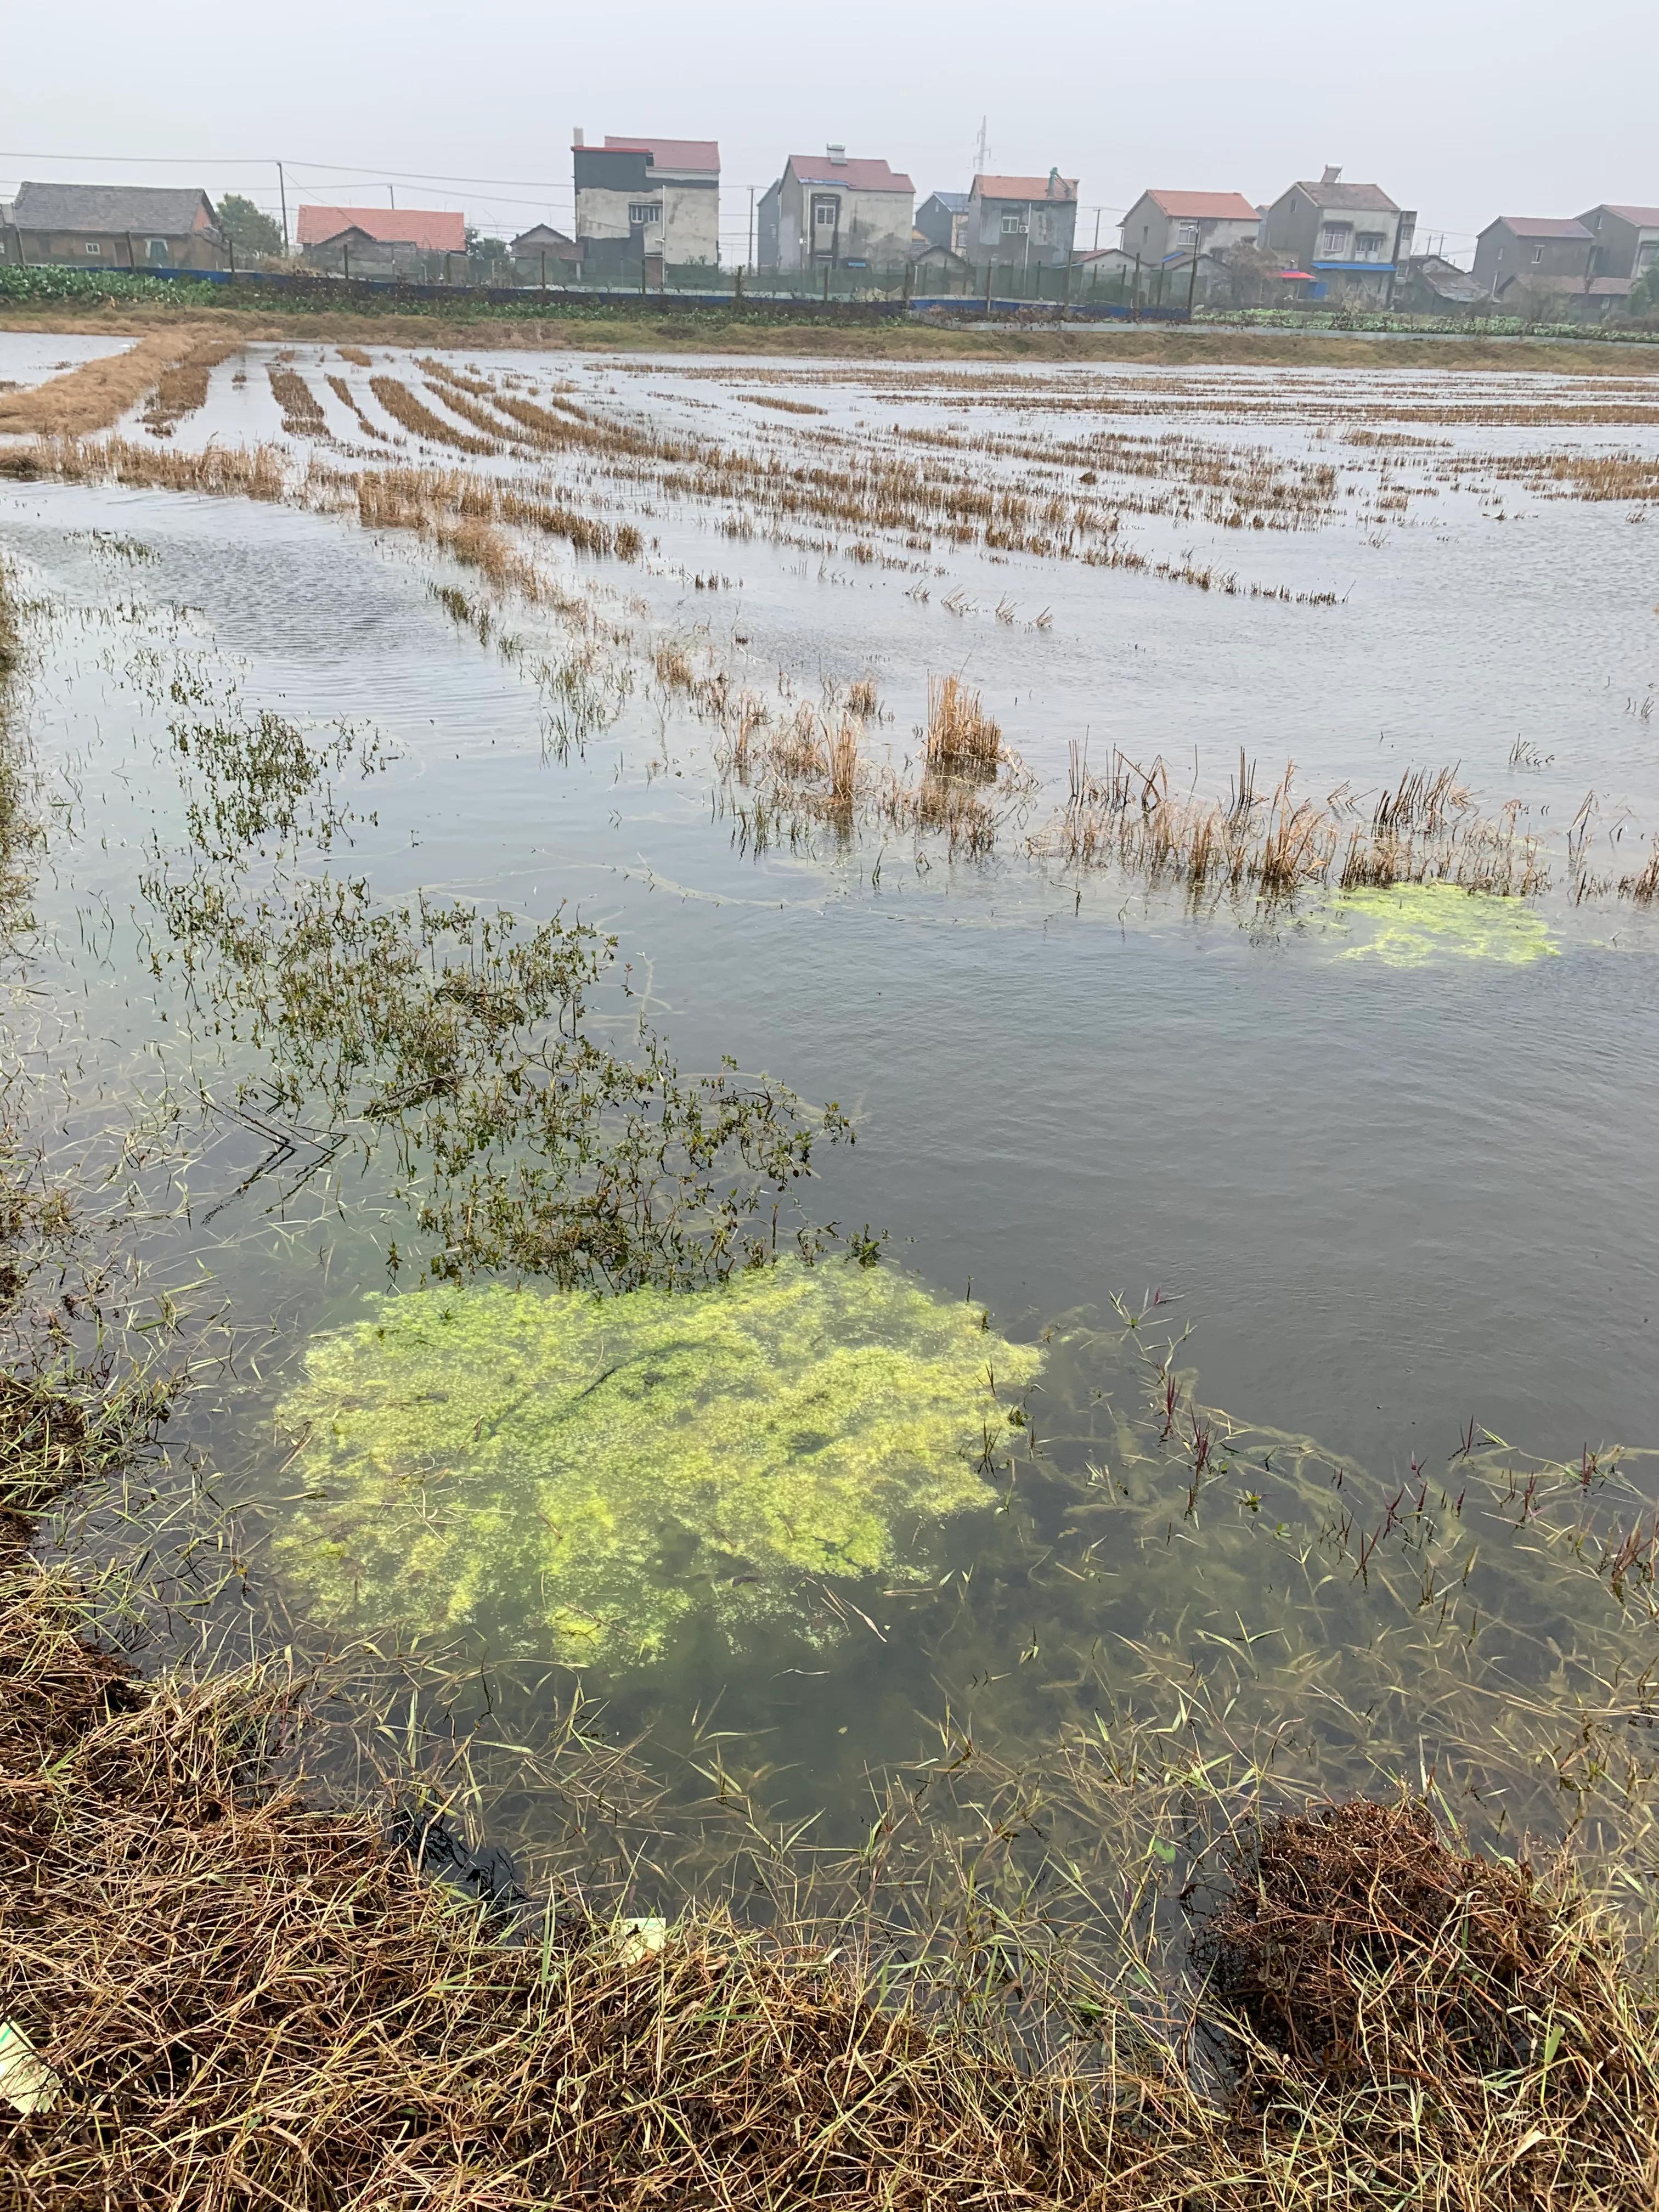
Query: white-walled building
x=830, y=211
x=656, y=198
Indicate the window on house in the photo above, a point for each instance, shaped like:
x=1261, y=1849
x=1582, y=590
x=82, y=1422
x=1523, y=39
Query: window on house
x=1187, y=235
x=1368, y=245
x=1647, y=254
x=824, y=214
x=158, y=249
x=1538, y=253
x=644, y=211
x=93, y=246
x=1334, y=241
x=1013, y=225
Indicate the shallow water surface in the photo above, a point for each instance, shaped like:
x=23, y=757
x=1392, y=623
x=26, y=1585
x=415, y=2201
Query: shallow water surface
x=1371, y=1170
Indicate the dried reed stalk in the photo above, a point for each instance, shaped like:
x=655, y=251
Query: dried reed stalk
x=961, y=739
x=99, y=392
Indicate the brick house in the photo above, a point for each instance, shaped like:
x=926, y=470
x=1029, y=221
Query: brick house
x=114, y=226
x=413, y=244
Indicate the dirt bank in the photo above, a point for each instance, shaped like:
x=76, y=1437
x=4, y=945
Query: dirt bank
x=1171, y=346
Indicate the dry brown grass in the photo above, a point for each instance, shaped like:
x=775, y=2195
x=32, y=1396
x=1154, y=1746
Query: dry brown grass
x=99, y=392
x=255, y=472
x=357, y=356
x=400, y=402
x=348, y=399
x=1426, y=829
x=960, y=739
x=244, y=2000
x=182, y=389
x=1470, y=2020
x=302, y=417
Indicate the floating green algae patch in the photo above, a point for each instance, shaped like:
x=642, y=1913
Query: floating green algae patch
x=593, y=1472
x=1410, y=925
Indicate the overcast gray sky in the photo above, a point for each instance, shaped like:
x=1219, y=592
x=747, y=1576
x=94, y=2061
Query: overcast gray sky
x=1462, y=109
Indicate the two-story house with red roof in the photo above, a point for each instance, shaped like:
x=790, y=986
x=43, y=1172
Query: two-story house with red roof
x=1163, y=226
x=650, y=199
x=835, y=211
x=1021, y=223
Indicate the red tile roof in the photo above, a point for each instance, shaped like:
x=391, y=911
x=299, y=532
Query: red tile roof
x=1227, y=206
x=669, y=153
x=1544, y=226
x=862, y=176
x=1024, y=188
x=1642, y=217
x=431, y=230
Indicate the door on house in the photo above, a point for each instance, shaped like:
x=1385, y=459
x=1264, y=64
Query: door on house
x=826, y=217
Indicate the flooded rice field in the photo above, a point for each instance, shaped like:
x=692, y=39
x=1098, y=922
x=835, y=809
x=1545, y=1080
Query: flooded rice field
x=895, y=1083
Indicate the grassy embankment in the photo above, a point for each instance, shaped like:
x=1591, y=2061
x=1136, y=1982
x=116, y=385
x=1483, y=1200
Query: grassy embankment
x=170, y=330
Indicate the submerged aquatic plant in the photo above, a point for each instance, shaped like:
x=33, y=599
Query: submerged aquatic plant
x=1413, y=924
x=597, y=1472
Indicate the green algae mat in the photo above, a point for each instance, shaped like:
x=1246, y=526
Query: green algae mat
x=595, y=1471
x=1413, y=925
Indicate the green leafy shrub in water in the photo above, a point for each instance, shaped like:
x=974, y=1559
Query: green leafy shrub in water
x=589, y=1473
x=1412, y=924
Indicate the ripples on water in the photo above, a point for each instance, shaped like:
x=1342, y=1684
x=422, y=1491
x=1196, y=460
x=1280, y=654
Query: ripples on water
x=1387, y=1155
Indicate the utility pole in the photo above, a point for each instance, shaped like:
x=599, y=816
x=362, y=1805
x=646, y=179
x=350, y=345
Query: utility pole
x=391, y=196
x=282, y=186
x=750, y=263
x=1098, y=213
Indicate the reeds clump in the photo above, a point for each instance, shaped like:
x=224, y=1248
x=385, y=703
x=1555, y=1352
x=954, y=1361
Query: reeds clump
x=1424, y=830
x=400, y=402
x=961, y=739
x=1643, y=887
x=255, y=472
x=99, y=392
x=302, y=417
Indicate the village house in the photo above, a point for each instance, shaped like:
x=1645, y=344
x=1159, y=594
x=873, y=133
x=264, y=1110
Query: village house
x=542, y=255
x=114, y=226
x=940, y=269
x=835, y=212
x=1348, y=239
x=1022, y=223
x=1538, y=253
x=1428, y=284
x=1627, y=239
x=654, y=202
x=409, y=244
x=1161, y=225
x=941, y=220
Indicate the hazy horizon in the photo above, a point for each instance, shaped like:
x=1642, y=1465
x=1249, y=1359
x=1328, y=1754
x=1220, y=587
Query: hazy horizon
x=1463, y=114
